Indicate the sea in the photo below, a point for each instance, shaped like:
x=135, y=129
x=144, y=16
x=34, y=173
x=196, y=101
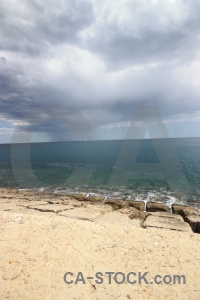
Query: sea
x=160, y=170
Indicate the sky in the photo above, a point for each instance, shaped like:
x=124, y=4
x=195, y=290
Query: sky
x=79, y=70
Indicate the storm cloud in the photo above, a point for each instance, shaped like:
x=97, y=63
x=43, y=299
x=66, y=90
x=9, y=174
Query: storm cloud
x=79, y=69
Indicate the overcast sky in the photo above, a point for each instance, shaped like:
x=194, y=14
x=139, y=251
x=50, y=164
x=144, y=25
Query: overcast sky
x=76, y=70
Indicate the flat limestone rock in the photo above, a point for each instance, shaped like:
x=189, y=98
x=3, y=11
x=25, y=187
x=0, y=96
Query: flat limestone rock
x=26, y=203
x=166, y=223
x=117, y=218
x=166, y=215
x=50, y=208
x=83, y=213
x=53, y=201
x=153, y=207
x=6, y=206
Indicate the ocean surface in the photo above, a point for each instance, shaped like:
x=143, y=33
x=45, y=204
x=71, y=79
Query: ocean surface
x=163, y=170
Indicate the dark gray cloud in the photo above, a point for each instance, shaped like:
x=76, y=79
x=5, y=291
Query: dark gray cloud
x=33, y=26
x=39, y=108
x=79, y=68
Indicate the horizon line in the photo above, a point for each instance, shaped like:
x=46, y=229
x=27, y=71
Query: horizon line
x=100, y=140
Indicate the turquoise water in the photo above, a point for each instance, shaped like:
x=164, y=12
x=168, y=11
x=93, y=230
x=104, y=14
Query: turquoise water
x=166, y=170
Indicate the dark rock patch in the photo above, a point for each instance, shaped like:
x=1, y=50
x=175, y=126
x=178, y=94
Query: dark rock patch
x=190, y=214
x=153, y=207
x=136, y=204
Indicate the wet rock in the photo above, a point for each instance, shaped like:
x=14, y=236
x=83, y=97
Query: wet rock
x=79, y=197
x=92, y=199
x=194, y=222
x=153, y=207
x=190, y=214
x=116, y=204
x=137, y=204
x=184, y=210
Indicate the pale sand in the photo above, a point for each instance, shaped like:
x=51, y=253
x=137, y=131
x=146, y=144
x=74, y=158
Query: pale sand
x=37, y=248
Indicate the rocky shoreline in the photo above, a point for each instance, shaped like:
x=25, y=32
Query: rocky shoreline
x=152, y=214
x=44, y=235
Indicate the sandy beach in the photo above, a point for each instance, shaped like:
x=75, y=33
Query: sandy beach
x=44, y=236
